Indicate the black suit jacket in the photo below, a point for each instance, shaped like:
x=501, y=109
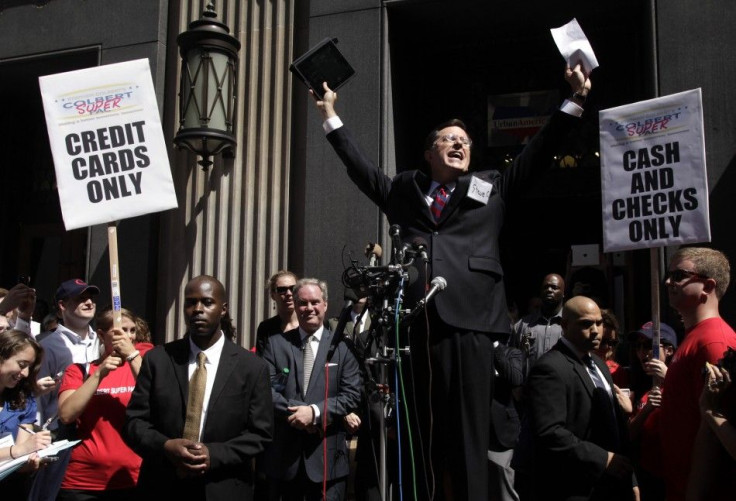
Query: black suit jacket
x=573, y=429
x=463, y=245
x=290, y=446
x=239, y=422
x=505, y=421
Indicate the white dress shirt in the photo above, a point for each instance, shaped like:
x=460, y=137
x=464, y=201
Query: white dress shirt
x=597, y=369
x=213, y=354
x=433, y=186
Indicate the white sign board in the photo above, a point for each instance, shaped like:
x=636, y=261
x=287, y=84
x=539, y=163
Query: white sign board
x=653, y=178
x=107, y=143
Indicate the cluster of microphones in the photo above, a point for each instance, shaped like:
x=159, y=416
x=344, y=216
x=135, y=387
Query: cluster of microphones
x=380, y=280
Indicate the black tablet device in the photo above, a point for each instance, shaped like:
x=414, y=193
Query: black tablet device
x=323, y=63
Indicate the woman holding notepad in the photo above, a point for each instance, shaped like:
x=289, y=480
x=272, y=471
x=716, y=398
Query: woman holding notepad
x=20, y=359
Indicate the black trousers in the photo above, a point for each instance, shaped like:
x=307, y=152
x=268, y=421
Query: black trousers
x=451, y=379
x=302, y=489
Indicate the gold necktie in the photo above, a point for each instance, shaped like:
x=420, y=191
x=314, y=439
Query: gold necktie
x=196, y=398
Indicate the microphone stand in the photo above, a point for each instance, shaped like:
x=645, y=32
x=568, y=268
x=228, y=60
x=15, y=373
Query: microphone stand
x=381, y=355
x=387, y=319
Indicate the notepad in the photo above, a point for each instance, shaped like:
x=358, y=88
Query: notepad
x=323, y=63
x=10, y=466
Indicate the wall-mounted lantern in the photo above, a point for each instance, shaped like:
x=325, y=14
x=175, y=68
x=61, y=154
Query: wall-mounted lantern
x=208, y=88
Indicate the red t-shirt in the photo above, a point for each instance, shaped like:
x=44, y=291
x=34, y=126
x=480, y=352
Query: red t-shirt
x=680, y=416
x=650, y=445
x=102, y=461
x=619, y=374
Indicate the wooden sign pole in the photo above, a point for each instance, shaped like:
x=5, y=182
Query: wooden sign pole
x=112, y=244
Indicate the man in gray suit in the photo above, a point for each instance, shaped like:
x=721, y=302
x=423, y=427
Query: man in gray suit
x=305, y=365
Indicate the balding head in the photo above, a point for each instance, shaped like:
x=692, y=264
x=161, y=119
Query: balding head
x=581, y=323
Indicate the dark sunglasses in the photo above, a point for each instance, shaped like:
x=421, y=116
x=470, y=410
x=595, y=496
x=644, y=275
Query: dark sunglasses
x=284, y=288
x=610, y=342
x=679, y=275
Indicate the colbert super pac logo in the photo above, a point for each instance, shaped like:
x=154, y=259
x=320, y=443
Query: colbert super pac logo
x=97, y=101
x=659, y=122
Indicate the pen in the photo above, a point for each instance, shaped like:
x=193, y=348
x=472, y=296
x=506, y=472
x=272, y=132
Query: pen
x=27, y=430
x=48, y=422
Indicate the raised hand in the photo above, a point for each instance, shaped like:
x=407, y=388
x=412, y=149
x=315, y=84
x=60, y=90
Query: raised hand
x=579, y=82
x=326, y=105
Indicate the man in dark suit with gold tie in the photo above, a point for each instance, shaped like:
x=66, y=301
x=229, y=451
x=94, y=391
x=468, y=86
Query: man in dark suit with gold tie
x=201, y=408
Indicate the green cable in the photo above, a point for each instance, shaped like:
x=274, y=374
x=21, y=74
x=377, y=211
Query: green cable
x=403, y=402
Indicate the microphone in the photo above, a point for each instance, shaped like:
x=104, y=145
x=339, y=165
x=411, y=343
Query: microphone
x=373, y=252
x=438, y=285
x=420, y=246
x=413, y=274
x=397, y=251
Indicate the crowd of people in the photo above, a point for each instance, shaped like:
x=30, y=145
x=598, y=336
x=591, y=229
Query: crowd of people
x=593, y=415
x=543, y=408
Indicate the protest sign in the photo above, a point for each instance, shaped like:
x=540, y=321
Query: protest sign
x=653, y=177
x=107, y=143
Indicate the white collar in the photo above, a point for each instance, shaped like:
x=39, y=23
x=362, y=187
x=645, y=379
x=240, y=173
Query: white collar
x=356, y=317
x=433, y=186
x=74, y=337
x=213, y=353
x=317, y=334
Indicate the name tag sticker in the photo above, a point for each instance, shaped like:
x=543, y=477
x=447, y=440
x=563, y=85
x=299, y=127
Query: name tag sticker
x=480, y=190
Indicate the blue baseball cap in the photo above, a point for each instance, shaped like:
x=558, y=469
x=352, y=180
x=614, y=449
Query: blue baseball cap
x=666, y=333
x=74, y=288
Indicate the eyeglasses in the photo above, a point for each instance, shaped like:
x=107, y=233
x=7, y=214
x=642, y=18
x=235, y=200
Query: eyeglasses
x=609, y=342
x=679, y=275
x=283, y=289
x=453, y=138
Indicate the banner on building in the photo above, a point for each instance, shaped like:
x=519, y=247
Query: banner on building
x=514, y=118
x=653, y=176
x=107, y=143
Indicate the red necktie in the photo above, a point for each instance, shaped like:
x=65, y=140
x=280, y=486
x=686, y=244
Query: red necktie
x=440, y=197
